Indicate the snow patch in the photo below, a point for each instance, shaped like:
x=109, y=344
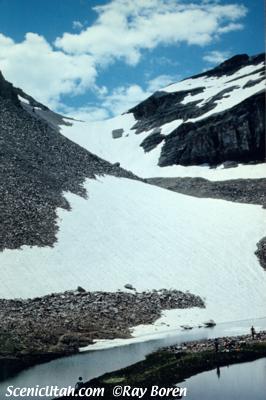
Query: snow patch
x=212, y=86
x=23, y=99
x=168, y=128
x=128, y=231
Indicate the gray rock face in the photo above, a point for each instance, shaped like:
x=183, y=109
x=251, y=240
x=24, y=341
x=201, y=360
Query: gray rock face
x=129, y=286
x=261, y=252
x=7, y=90
x=236, y=134
x=163, y=107
x=152, y=141
x=117, y=133
x=37, y=164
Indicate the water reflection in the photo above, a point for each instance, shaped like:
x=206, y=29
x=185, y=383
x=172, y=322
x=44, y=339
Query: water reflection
x=65, y=371
x=245, y=381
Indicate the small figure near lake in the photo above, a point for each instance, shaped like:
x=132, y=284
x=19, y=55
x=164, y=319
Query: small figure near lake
x=216, y=345
x=79, y=384
x=253, y=332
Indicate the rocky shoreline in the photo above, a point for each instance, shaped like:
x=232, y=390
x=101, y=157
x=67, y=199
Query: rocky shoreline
x=56, y=325
x=172, y=365
x=225, y=344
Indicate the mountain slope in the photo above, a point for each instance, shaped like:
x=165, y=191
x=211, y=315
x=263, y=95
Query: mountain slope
x=211, y=118
x=69, y=218
x=37, y=165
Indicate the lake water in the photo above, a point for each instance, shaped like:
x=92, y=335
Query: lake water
x=64, y=372
x=245, y=381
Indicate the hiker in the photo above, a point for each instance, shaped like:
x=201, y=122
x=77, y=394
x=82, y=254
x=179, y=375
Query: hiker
x=216, y=345
x=253, y=332
x=79, y=384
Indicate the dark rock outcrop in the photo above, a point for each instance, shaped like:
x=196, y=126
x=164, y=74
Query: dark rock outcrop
x=7, y=91
x=237, y=134
x=163, y=107
x=152, y=141
x=261, y=252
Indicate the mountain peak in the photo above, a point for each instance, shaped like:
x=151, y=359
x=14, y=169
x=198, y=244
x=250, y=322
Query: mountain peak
x=231, y=65
x=7, y=90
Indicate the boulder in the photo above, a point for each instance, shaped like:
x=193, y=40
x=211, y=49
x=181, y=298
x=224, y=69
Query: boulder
x=210, y=323
x=80, y=289
x=129, y=286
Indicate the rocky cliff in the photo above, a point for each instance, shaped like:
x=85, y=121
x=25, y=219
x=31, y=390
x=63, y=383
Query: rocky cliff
x=215, y=125
x=237, y=134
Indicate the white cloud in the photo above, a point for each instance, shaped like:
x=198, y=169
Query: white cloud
x=165, y=61
x=160, y=82
x=125, y=27
x=86, y=113
x=43, y=72
x=120, y=100
x=121, y=31
x=216, y=57
x=77, y=25
x=125, y=97
x=231, y=27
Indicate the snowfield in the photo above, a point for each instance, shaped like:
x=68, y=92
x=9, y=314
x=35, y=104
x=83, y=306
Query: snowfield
x=131, y=232
x=97, y=138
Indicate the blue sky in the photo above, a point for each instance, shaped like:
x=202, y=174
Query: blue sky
x=100, y=61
